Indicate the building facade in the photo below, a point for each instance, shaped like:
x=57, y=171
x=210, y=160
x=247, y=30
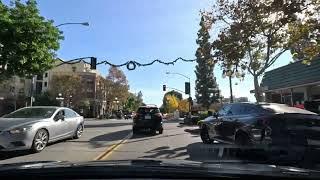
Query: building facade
x=293, y=84
x=19, y=91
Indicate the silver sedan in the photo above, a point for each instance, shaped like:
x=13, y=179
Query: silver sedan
x=34, y=127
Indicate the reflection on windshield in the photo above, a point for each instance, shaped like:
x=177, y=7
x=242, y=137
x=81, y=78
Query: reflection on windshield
x=31, y=113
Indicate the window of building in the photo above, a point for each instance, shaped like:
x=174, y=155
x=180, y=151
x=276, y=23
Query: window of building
x=39, y=77
x=38, y=87
x=45, y=84
x=46, y=74
x=74, y=69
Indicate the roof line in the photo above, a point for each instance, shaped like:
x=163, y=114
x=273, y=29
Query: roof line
x=290, y=64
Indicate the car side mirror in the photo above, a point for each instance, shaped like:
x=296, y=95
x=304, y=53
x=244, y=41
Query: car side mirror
x=215, y=114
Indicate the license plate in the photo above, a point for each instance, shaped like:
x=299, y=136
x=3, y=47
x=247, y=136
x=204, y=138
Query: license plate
x=147, y=117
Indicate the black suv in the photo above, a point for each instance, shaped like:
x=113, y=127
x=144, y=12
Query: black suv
x=148, y=118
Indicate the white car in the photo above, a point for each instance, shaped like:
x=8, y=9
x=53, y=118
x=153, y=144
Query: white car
x=34, y=127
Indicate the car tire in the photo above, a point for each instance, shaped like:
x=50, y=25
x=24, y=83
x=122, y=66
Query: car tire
x=78, y=132
x=153, y=131
x=204, y=134
x=242, y=139
x=40, y=141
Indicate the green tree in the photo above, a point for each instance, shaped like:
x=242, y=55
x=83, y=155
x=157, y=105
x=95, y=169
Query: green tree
x=118, y=85
x=27, y=40
x=134, y=101
x=71, y=88
x=254, y=34
x=206, y=86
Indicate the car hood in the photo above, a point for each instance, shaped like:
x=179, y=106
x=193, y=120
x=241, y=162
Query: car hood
x=8, y=123
x=230, y=167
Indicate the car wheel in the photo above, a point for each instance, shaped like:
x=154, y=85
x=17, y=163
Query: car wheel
x=242, y=139
x=40, y=140
x=78, y=132
x=204, y=134
x=153, y=132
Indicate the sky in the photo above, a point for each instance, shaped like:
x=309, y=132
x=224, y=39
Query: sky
x=140, y=30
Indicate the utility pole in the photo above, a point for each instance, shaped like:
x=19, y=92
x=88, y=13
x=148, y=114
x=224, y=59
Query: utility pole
x=31, y=90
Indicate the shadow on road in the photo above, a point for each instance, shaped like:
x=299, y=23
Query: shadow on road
x=173, y=121
x=195, y=131
x=106, y=125
x=166, y=152
x=13, y=154
x=99, y=141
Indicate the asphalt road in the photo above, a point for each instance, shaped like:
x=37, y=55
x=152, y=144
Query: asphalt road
x=113, y=140
x=97, y=137
x=103, y=140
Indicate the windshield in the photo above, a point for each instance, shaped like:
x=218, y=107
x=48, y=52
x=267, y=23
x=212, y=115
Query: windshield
x=281, y=108
x=144, y=110
x=32, y=113
x=198, y=80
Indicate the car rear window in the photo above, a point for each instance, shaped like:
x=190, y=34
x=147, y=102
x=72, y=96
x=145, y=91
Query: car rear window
x=282, y=108
x=144, y=110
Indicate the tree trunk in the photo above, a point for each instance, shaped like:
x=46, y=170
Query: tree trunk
x=257, y=91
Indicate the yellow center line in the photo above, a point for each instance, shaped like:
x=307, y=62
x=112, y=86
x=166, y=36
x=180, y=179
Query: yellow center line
x=112, y=148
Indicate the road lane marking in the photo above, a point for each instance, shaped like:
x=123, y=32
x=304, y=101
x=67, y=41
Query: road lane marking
x=112, y=148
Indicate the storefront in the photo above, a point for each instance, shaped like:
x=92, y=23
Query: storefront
x=294, y=84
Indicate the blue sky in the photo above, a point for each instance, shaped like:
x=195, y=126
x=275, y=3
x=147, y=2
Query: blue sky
x=141, y=30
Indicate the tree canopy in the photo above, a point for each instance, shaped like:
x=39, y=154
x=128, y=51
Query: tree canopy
x=28, y=41
x=254, y=34
x=118, y=85
x=206, y=86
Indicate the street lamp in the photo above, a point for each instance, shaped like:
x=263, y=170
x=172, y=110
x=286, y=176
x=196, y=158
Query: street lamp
x=117, y=102
x=60, y=98
x=83, y=23
x=179, y=74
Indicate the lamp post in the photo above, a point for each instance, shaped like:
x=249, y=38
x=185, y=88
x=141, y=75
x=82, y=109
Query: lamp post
x=189, y=84
x=116, y=101
x=70, y=101
x=60, y=98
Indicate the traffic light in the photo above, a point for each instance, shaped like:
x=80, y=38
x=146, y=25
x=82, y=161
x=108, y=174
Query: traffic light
x=164, y=87
x=93, y=63
x=187, y=87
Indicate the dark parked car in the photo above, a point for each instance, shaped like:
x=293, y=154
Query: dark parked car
x=128, y=116
x=148, y=118
x=264, y=123
x=191, y=119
